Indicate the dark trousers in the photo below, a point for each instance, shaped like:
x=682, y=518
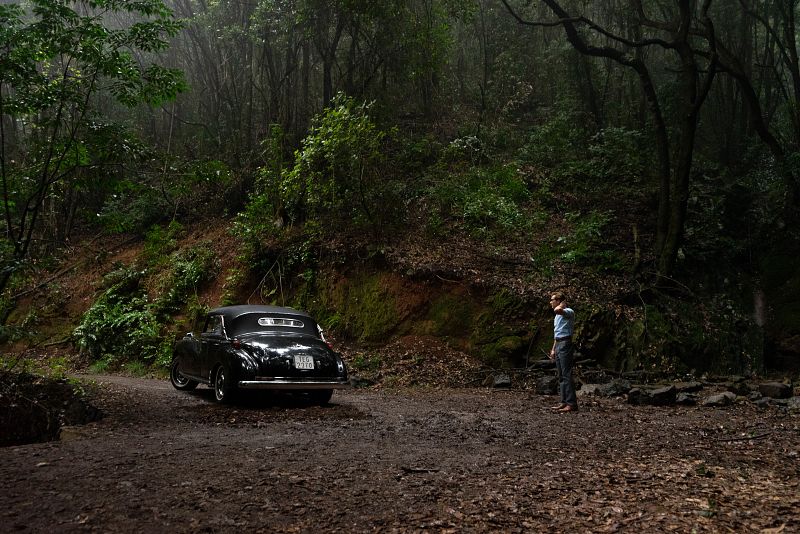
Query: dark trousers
x=565, y=352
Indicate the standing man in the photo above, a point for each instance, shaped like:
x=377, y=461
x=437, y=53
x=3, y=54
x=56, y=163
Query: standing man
x=563, y=351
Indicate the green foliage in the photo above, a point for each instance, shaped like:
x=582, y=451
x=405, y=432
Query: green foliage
x=337, y=172
x=133, y=208
x=56, y=57
x=575, y=155
x=365, y=363
x=103, y=365
x=189, y=270
x=584, y=244
x=469, y=148
x=120, y=321
x=484, y=199
x=123, y=325
x=619, y=154
x=559, y=142
x=176, y=188
x=160, y=241
x=17, y=364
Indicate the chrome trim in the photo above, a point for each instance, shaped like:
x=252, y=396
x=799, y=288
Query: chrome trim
x=289, y=383
x=280, y=321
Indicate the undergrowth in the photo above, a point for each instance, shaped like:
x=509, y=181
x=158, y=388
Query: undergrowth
x=125, y=328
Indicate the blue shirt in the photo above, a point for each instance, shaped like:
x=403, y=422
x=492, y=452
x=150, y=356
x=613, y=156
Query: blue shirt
x=563, y=325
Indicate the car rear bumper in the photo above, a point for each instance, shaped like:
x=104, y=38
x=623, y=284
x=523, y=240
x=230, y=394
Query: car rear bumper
x=294, y=383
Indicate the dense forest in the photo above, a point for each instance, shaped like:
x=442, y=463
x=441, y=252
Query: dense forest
x=642, y=155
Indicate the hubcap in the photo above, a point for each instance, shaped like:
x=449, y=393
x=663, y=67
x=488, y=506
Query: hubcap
x=178, y=378
x=220, y=384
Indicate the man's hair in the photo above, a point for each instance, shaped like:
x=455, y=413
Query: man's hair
x=558, y=295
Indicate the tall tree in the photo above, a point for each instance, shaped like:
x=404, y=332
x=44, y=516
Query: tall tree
x=56, y=57
x=673, y=34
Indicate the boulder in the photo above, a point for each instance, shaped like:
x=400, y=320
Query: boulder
x=547, y=385
x=793, y=404
x=616, y=388
x=763, y=402
x=721, y=399
x=738, y=387
x=663, y=396
x=775, y=390
x=688, y=387
x=590, y=390
x=686, y=399
x=501, y=381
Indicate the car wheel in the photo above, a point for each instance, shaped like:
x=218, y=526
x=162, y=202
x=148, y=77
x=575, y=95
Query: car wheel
x=321, y=396
x=223, y=384
x=178, y=380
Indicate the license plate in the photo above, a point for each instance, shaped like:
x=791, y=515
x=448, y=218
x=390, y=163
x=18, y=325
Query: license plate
x=304, y=362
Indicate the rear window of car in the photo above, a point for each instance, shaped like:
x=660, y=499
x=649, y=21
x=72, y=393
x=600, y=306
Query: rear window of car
x=258, y=322
x=214, y=326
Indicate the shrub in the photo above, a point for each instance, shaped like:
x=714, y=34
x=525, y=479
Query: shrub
x=160, y=241
x=189, y=270
x=337, y=172
x=585, y=244
x=120, y=322
x=485, y=199
x=123, y=325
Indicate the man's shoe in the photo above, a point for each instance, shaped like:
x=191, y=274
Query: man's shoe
x=559, y=406
x=568, y=408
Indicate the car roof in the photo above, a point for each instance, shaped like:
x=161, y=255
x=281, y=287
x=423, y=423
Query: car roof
x=238, y=310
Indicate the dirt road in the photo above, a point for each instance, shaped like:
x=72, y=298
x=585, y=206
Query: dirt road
x=410, y=460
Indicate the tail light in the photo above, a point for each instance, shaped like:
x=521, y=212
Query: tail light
x=236, y=343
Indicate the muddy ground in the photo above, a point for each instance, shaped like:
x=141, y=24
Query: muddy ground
x=405, y=460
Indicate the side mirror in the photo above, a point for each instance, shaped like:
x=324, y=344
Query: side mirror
x=188, y=335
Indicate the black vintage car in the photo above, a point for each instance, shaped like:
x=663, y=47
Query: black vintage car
x=258, y=347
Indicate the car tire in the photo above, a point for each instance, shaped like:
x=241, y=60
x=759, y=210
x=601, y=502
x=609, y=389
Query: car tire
x=222, y=382
x=321, y=396
x=179, y=381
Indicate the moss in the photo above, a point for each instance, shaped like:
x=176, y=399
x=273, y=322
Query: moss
x=498, y=338
x=449, y=315
x=502, y=351
x=506, y=303
x=363, y=307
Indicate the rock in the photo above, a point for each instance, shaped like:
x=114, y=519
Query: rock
x=616, y=388
x=639, y=376
x=793, y=404
x=547, y=385
x=501, y=380
x=763, y=402
x=686, y=399
x=754, y=396
x=688, y=387
x=663, y=396
x=776, y=390
x=739, y=388
x=79, y=412
x=722, y=399
x=588, y=390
